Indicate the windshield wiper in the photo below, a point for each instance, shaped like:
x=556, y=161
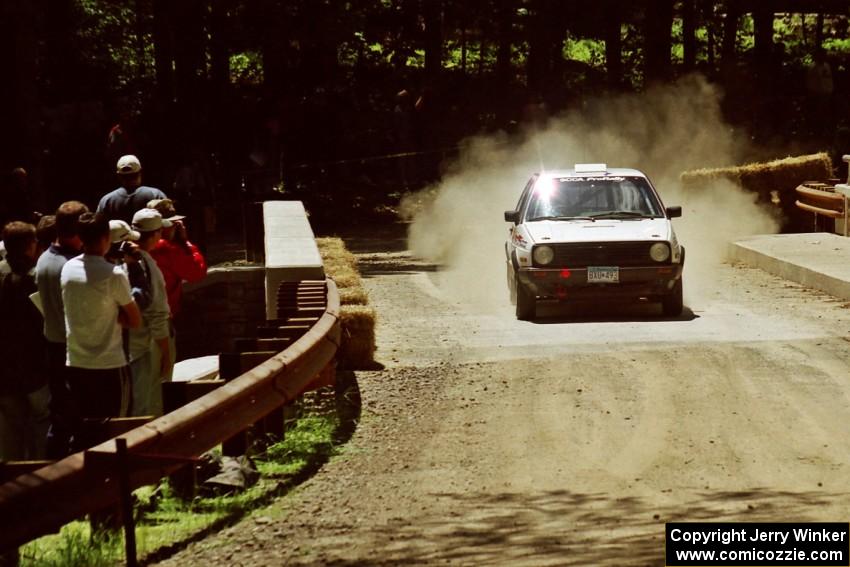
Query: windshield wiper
x=561, y=218
x=626, y=214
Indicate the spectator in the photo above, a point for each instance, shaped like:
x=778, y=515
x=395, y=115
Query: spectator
x=119, y=142
x=16, y=204
x=131, y=196
x=48, y=270
x=150, y=358
x=125, y=252
x=177, y=258
x=45, y=232
x=24, y=395
x=97, y=300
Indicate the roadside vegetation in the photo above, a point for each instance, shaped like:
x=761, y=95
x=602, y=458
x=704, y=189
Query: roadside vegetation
x=166, y=522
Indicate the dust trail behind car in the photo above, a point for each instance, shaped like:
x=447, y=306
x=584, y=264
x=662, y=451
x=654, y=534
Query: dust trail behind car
x=663, y=131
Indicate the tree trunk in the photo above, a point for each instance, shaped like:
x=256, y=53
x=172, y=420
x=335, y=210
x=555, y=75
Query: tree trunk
x=190, y=52
x=763, y=35
x=433, y=16
x=219, y=54
x=709, y=19
x=61, y=64
x=505, y=35
x=614, y=48
x=730, y=34
x=163, y=50
x=689, y=42
x=482, y=53
x=272, y=40
x=140, y=38
x=19, y=93
x=463, y=49
x=658, y=39
x=540, y=32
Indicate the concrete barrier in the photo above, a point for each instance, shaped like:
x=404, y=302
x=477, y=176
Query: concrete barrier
x=291, y=251
x=818, y=260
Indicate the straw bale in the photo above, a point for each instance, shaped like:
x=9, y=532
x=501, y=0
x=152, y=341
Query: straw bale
x=357, y=317
x=340, y=265
x=781, y=175
x=336, y=261
x=357, y=348
x=345, y=279
x=354, y=295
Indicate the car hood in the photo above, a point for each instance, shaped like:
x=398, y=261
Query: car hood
x=606, y=230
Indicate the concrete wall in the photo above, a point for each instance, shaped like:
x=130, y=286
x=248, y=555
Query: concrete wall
x=228, y=304
x=291, y=251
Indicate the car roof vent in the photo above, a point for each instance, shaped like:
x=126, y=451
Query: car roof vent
x=591, y=168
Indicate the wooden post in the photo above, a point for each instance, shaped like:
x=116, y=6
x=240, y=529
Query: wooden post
x=126, y=502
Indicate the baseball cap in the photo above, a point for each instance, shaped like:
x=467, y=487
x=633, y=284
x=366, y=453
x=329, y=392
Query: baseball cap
x=119, y=231
x=166, y=209
x=149, y=220
x=128, y=164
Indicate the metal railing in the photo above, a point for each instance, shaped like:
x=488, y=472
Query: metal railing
x=40, y=502
x=826, y=200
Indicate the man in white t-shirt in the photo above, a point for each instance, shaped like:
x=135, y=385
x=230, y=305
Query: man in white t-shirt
x=97, y=300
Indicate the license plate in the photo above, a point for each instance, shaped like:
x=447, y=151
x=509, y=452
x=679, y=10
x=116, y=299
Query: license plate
x=603, y=274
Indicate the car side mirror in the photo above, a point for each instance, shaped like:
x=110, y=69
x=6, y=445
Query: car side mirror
x=512, y=216
x=673, y=212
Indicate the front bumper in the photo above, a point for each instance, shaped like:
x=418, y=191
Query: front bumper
x=635, y=282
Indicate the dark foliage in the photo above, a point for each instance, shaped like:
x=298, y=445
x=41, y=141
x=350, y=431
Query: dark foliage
x=252, y=94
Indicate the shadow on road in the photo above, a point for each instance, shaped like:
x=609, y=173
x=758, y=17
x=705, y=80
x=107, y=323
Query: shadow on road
x=609, y=312
x=563, y=527
x=371, y=269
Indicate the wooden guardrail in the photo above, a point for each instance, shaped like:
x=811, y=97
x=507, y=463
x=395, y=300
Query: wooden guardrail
x=41, y=501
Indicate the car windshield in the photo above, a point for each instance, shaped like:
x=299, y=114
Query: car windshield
x=593, y=198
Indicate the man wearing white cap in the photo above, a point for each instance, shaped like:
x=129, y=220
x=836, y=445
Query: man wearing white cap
x=149, y=351
x=131, y=196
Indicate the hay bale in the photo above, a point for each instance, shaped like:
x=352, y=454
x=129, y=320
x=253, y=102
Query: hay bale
x=336, y=265
x=340, y=265
x=354, y=295
x=357, y=348
x=780, y=175
x=344, y=280
x=775, y=182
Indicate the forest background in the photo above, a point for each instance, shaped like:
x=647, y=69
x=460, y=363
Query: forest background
x=355, y=102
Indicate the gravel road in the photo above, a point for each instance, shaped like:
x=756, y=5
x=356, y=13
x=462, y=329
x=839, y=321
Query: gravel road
x=573, y=439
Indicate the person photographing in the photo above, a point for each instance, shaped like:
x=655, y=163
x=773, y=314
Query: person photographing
x=178, y=259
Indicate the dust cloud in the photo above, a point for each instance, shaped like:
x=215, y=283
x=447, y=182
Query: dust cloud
x=663, y=132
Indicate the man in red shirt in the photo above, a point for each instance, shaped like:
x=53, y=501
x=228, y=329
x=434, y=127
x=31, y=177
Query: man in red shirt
x=178, y=259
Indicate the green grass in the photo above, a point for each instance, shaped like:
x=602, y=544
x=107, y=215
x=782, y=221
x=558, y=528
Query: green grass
x=166, y=522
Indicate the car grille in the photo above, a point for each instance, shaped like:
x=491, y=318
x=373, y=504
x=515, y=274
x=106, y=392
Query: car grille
x=601, y=254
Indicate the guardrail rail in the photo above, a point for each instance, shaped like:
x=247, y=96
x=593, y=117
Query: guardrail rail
x=41, y=501
x=826, y=200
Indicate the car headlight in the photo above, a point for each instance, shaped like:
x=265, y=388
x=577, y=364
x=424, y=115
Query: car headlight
x=660, y=252
x=543, y=255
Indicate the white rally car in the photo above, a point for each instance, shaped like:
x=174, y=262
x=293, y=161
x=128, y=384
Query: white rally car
x=589, y=233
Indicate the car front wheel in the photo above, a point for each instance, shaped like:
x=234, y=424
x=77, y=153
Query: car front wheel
x=672, y=303
x=525, y=302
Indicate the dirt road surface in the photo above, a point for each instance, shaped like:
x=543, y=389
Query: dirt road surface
x=573, y=439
